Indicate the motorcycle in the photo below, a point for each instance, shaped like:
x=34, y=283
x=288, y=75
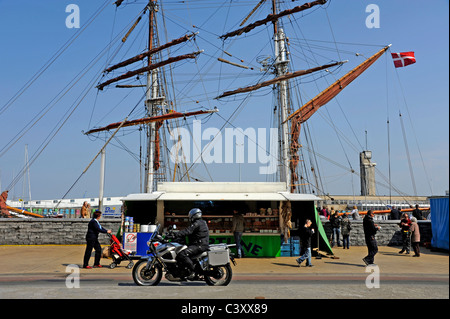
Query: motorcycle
x=212, y=266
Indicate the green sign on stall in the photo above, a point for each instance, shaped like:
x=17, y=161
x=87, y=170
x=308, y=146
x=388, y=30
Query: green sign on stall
x=253, y=245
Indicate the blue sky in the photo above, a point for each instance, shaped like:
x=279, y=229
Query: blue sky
x=33, y=31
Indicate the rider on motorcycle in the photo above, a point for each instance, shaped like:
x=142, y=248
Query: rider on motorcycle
x=198, y=235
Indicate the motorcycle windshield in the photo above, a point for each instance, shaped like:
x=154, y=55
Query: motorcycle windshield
x=155, y=232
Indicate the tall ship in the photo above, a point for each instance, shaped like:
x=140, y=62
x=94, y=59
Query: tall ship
x=187, y=84
x=166, y=154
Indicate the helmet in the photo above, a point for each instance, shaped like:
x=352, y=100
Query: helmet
x=194, y=214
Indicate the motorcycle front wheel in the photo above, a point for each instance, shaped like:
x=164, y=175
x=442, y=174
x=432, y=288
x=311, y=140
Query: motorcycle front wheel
x=219, y=275
x=147, y=277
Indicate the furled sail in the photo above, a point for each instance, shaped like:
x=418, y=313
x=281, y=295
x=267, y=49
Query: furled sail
x=145, y=120
x=142, y=56
x=158, y=119
x=306, y=111
x=272, y=18
x=148, y=68
x=278, y=79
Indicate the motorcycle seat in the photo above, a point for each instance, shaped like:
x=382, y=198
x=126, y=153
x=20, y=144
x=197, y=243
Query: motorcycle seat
x=203, y=254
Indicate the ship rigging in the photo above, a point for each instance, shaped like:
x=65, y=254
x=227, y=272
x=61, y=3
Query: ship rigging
x=271, y=68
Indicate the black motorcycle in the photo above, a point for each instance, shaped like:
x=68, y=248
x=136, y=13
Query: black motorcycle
x=212, y=266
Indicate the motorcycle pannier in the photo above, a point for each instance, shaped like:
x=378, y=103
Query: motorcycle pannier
x=218, y=255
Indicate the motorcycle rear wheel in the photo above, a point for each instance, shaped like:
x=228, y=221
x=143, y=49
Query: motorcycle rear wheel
x=147, y=277
x=219, y=275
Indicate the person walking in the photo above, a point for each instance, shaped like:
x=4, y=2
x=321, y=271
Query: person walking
x=335, y=221
x=94, y=228
x=345, y=230
x=405, y=223
x=415, y=236
x=305, y=241
x=370, y=230
x=237, y=229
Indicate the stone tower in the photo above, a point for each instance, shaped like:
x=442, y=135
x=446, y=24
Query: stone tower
x=367, y=169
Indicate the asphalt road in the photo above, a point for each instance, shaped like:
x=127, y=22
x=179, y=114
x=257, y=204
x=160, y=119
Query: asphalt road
x=247, y=296
x=289, y=286
x=36, y=280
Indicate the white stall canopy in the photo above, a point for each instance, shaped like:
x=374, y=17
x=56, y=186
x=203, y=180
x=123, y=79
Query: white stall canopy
x=217, y=191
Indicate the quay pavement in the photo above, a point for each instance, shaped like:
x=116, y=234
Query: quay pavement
x=53, y=260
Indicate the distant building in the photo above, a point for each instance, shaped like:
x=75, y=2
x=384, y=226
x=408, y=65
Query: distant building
x=69, y=208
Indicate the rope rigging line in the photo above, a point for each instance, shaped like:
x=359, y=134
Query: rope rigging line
x=413, y=130
x=312, y=157
x=89, y=165
x=319, y=180
x=355, y=172
x=61, y=122
x=332, y=33
x=55, y=56
x=241, y=105
x=50, y=136
x=388, y=131
x=95, y=157
x=411, y=172
x=67, y=115
x=40, y=115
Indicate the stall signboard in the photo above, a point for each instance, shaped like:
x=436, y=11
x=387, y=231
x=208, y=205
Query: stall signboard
x=253, y=245
x=130, y=241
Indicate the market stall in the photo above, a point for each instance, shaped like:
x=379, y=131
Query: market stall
x=259, y=202
x=138, y=215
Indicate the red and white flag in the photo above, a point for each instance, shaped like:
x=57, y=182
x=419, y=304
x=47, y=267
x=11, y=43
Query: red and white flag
x=403, y=59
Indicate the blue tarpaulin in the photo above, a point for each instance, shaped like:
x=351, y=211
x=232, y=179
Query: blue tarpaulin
x=439, y=208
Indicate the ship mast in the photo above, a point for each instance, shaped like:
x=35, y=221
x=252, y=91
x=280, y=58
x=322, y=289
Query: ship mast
x=289, y=123
x=281, y=68
x=156, y=111
x=281, y=81
x=151, y=104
